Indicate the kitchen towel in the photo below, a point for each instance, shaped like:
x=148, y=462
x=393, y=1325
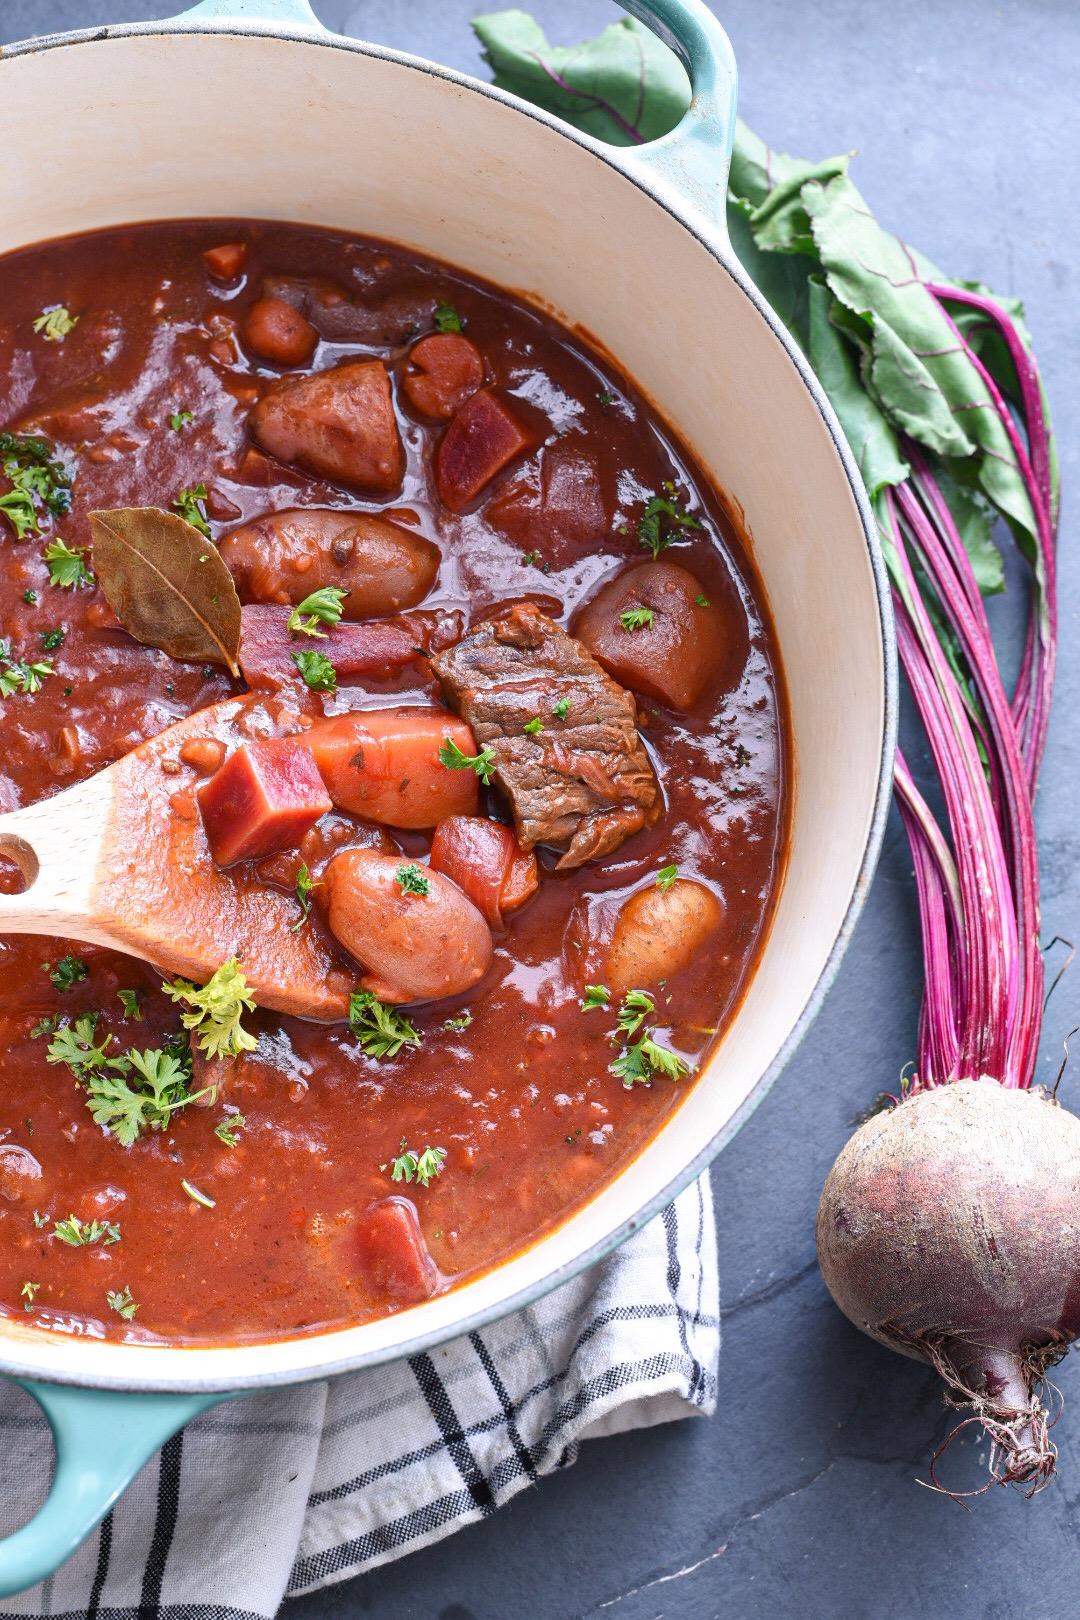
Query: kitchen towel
x=287, y=1491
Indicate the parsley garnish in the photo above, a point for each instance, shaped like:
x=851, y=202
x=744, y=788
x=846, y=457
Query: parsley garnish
x=199, y=1197
x=228, y=1130
x=189, y=504
x=27, y=1292
x=66, y=567
x=54, y=324
x=636, y=1065
x=654, y=533
x=40, y=1220
x=216, y=1010
x=447, y=318
x=304, y=885
x=596, y=995
x=412, y=1166
x=461, y=1021
x=561, y=709
x=129, y=1000
x=322, y=607
x=53, y=638
x=482, y=763
x=605, y=398
x=80, y=1234
x=317, y=670
x=702, y=601
x=637, y=1005
x=129, y=1093
x=412, y=878
x=40, y=482
x=636, y=618
x=530, y=559
x=29, y=597
x=666, y=877
x=67, y=972
x=380, y=1031
x=19, y=676
x=534, y=726
x=121, y=1302
x=181, y=419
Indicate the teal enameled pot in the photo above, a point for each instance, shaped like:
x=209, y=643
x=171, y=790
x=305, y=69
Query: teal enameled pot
x=296, y=123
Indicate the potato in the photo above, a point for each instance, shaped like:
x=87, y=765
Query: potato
x=673, y=657
x=414, y=946
x=285, y=556
x=657, y=932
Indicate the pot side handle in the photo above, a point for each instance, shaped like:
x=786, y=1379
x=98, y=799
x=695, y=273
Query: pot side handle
x=691, y=163
x=102, y=1440
x=288, y=13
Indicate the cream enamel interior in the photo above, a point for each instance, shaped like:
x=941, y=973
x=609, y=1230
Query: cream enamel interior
x=367, y=142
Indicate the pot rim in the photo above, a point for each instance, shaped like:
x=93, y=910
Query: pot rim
x=713, y=238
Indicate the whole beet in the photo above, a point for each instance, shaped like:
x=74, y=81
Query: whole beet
x=949, y=1229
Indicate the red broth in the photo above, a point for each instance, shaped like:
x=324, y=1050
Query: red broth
x=512, y=1079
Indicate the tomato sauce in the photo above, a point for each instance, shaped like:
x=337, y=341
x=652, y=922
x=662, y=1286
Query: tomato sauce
x=147, y=395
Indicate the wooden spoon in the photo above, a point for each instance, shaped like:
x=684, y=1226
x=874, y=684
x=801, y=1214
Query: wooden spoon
x=121, y=859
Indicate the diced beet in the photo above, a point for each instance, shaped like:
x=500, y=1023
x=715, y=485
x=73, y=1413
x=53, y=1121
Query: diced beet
x=267, y=646
x=482, y=439
x=226, y=262
x=393, y=1255
x=265, y=797
x=486, y=862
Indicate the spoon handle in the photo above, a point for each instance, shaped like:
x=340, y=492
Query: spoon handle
x=57, y=845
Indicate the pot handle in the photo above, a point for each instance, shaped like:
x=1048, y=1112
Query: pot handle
x=102, y=1440
x=287, y=13
x=690, y=164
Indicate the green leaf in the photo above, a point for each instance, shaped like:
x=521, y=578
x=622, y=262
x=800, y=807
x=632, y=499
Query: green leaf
x=872, y=438
x=974, y=518
x=623, y=86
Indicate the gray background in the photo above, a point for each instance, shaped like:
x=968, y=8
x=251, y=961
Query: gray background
x=800, y=1498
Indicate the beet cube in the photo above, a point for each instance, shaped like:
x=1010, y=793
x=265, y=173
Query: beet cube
x=264, y=798
x=392, y=1253
x=483, y=438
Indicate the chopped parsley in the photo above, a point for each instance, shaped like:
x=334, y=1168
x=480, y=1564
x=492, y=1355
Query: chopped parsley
x=199, y=1197
x=181, y=419
x=322, y=607
x=67, y=972
x=40, y=1220
x=596, y=995
x=54, y=638
x=666, y=877
x=216, y=1010
x=129, y=1092
x=190, y=504
x=561, y=709
x=30, y=597
x=19, y=676
x=228, y=1130
x=636, y=618
x=534, y=726
x=420, y=1167
x=531, y=559
x=66, y=567
x=660, y=521
x=461, y=1021
x=482, y=763
x=412, y=878
x=304, y=885
x=45, y=1026
x=317, y=670
x=81, y=1234
x=40, y=483
x=27, y=1292
x=121, y=1302
x=54, y=324
x=447, y=318
x=605, y=398
x=129, y=1001
x=380, y=1031
x=702, y=601
x=637, y=1005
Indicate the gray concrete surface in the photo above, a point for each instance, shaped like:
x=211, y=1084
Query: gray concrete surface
x=800, y=1497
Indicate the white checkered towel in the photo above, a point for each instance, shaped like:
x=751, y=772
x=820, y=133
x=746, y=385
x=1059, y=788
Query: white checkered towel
x=288, y=1491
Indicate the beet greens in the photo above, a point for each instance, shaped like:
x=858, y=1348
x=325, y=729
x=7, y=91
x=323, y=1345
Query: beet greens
x=947, y=1226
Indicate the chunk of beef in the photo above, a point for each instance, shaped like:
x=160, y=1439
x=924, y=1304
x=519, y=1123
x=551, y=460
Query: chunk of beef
x=339, y=424
x=583, y=784
x=339, y=317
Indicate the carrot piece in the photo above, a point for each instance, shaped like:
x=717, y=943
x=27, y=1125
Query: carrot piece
x=265, y=797
x=384, y=765
x=225, y=263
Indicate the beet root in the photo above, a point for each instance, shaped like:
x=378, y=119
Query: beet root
x=949, y=1229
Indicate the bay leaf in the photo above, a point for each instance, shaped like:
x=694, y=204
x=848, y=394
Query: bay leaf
x=167, y=584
